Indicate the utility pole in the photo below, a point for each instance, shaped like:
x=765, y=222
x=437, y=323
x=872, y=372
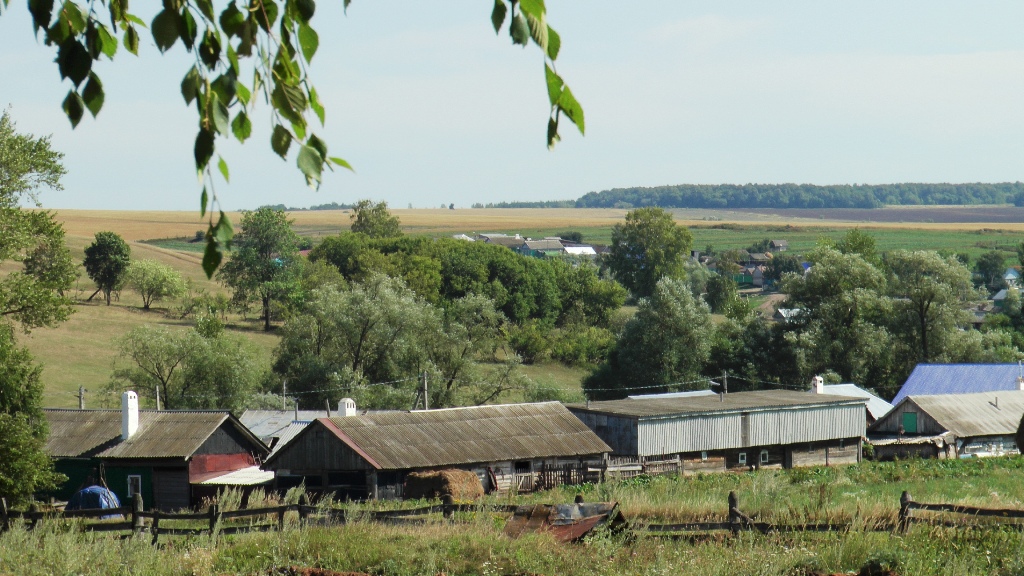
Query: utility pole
x=725, y=382
x=284, y=394
x=81, y=397
x=426, y=402
x=157, y=397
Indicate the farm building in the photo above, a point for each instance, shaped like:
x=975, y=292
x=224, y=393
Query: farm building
x=931, y=379
x=174, y=458
x=950, y=426
x=732, y=431
x=511, y=446
x=876, y=407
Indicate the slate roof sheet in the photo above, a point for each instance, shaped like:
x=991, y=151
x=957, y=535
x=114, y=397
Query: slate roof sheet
x=969, y=415
x=930, y=379
x=736, y=401
x=875, y=405
x=404, y=440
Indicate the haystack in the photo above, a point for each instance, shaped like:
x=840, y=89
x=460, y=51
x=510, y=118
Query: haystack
x=461, y=485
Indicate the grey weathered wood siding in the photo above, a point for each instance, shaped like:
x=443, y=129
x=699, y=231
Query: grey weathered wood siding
x=318, y=449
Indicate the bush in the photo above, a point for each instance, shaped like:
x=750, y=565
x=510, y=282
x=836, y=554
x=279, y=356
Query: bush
x=581, y=346
x=529, y=341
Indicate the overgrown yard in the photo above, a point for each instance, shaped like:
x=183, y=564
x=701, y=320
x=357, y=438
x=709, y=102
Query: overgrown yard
x=475, y=544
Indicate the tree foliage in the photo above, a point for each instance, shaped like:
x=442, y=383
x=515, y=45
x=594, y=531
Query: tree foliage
x=154, y=281
x=190, y=368
x=106, y=262
x=264, y=261
x=245, y=50
x=647, y=247
x=375, y=220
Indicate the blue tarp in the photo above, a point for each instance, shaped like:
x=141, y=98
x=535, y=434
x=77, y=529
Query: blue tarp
x=94, y=498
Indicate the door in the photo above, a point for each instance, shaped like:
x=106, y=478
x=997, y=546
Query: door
x=171, y=490
x=910, y=423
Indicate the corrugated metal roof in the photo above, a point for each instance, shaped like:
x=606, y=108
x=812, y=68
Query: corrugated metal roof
x=403, y=440
x=251, y=476
x=163, y=434
x=930, y=379
x=269, y=423
x=876, y=406
x=545, y=244
x=733, y=402
x=689, y=394
x=968, y=415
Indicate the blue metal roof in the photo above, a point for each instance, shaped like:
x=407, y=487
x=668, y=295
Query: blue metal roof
x=959, y=379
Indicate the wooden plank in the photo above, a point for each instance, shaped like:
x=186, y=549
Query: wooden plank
x=182, y=531
x=95, y=512
x=968, y=510
x=247, y=529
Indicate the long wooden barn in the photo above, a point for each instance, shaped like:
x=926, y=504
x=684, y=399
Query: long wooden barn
x=369, y=456
x=741, y=430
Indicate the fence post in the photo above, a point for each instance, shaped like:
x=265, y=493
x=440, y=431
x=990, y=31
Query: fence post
x=33, y=508
x=904, y=520
x=280, y=517
x=448, y=506
x=4, y=522
x=734, y=513
x=214, y=520
x=303, y=509
x=155, y=528
x=138, y=522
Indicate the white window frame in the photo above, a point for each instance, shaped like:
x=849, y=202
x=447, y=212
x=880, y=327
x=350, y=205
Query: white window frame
x=743, y=458
x=134, y=484
x=704, y=456
x=842, y=443
x=764, y=457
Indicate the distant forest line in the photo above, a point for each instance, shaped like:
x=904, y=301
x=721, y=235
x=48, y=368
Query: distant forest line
x=788, y=196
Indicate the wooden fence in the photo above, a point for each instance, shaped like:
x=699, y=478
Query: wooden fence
x=215, y=522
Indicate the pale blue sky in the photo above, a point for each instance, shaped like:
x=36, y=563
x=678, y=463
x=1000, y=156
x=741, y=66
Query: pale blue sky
x=431, y=107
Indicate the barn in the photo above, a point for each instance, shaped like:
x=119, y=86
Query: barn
x=173, y=458
x=511, y=446
x=736, y=431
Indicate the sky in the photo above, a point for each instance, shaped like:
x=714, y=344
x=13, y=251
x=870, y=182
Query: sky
x=431, y=107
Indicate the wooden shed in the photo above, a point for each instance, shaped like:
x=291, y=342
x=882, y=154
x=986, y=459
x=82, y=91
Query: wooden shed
x=513, y=446
x=173, y=458
x=736, y=431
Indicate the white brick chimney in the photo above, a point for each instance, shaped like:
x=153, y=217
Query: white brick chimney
x=129, y=414
x=818, y=385
x=346, y=407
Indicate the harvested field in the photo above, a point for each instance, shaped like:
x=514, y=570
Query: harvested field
x=901, y=214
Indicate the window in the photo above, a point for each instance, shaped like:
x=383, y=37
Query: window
x=134, y=485
x=764, y=456
x=704, y=456
x=523, y=467
x=910, y=422
x=842, y=444
x=743, y=458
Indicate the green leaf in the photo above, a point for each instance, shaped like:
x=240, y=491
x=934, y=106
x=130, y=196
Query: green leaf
x=209, y=49
x=555, y=83
x=305, y=9
x=311, y=164
x=131, y=40
x=206, y=7
x=241, y=127
x=533, y=8
x=93, y=94
x=203, y=201
x=223, y=167
x=554, y=43
x=73, y=61
x=42, y=12
x=567, y=103
x=165, y=29
x=553, y=131
x=221, y=119
x=281, y=140
x=188, y=30
x=92, y=41
x=316, y=105
x=233, y=59
x=136, y=20
x=224, y=232
x=341, y=162
x=309, y=41
x=74, y=108
x=289, y=101
x=232, y=20
x=498, y=15
x=108, y=43
x=319, y=145
x=204, y=149
x=538, y=31
x=74, y=16
x=224, y=86
x=519, y=30
x=190, y=85
x=212, y=256
x=265, y=12
x=243, y=93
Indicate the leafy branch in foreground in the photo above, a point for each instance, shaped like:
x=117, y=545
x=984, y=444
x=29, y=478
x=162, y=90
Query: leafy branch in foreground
x=279, y=41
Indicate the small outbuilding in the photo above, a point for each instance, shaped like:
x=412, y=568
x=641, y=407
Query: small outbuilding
x=950, y=426
x=512, y=446
x=734, y=431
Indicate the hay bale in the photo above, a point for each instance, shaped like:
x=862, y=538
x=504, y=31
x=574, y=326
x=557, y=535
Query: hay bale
x=461, y=485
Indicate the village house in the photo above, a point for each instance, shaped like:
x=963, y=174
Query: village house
x=542, y=248
x=931, y=379
x=733, y=431
x=876, y=407
x=512, y=446
x=778, y=245
x=511, y=242
x=174, y=458
x=950, y=426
